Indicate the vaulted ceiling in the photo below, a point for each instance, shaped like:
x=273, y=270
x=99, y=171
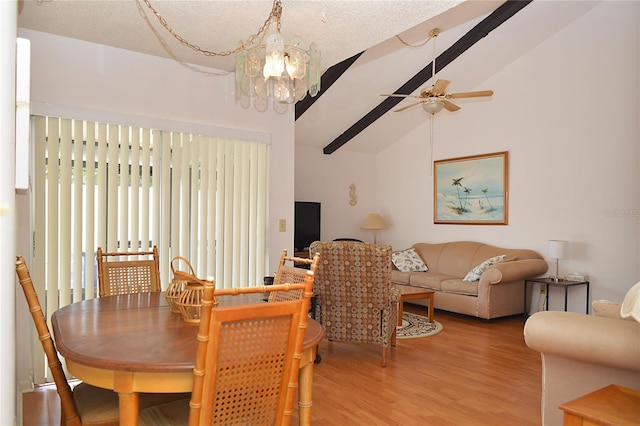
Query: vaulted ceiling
x=341, y=29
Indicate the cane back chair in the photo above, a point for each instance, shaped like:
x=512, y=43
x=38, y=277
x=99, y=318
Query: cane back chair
x=355, y=301
x=247, y=361
x=85, y=404
x=290, y=271
x=128, y=272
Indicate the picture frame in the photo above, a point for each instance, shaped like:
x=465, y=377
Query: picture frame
x=472, y=190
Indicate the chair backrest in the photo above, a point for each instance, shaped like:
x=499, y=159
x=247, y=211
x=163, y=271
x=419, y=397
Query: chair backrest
x=69, y=410
x=128, y=272
x=247, y=362
x=352, y=288
x=289, y=272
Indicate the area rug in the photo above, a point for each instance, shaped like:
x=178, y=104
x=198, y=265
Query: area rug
x=414, y=326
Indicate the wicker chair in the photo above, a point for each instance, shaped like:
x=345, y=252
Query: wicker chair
x=85, y=404
x=288, y=272
x=241, y=377
x=138, y=275
x=355, y=301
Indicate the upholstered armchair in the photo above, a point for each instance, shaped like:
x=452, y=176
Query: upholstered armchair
x=355, y=301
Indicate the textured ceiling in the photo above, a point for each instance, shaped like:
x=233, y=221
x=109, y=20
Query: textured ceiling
x=339, y=28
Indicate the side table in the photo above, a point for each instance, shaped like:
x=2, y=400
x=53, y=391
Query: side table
x=551, y=282
x=611, y=405
x=414, y=293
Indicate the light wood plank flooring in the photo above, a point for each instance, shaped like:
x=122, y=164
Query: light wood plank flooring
x=473, y=373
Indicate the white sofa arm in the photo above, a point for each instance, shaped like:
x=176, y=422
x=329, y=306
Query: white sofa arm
x=586, y=338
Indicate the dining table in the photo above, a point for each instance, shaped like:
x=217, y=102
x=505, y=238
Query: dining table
x=133, y=343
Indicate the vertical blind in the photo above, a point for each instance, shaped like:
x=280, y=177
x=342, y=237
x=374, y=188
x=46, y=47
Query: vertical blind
x=126, y=188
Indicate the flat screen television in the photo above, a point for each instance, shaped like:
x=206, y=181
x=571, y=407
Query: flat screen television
x=307, y=224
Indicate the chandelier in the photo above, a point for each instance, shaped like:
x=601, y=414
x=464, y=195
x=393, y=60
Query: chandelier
x=268, y=69
x=276, y=71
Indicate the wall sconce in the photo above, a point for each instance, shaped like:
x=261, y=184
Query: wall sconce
x=558, y=249
x=374, y=221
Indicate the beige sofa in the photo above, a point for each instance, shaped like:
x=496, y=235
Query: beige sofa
x=498, y=292
x=581, y=354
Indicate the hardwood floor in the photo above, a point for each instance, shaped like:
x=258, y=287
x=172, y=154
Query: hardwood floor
x=472, y=373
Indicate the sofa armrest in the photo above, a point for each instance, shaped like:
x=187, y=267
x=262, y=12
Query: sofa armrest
x=586, y=338
x=513, y=270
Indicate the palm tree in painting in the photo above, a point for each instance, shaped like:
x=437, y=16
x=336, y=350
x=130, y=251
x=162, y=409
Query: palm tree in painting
x=467, y=191
x=458, y=185
x=484, y=191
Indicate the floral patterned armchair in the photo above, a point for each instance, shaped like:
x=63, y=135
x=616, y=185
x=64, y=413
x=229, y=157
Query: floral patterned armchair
x=355, y=301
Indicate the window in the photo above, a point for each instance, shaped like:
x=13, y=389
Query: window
x=127, y=188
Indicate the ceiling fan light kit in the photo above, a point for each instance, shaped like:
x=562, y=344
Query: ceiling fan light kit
x=432, y=106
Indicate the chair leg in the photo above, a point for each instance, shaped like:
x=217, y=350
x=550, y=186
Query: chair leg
x=384, y=357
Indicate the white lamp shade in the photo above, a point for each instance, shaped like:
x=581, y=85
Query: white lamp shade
x=374, y=221
x=558, y=249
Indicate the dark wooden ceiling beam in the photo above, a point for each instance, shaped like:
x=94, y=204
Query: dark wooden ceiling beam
x=491, y=22
x=330, y=76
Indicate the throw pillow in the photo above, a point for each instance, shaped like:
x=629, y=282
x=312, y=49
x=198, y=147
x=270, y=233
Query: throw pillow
x=408, y=261
x=474, y=274
x=606, y=308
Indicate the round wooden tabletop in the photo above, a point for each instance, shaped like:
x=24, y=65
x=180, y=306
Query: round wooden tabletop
x=138, y=333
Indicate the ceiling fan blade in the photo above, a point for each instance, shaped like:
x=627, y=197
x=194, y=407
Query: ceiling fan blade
x=439, y=88
x=450, y=106
x=397, y=95
x=477, y=94
x=408, y=106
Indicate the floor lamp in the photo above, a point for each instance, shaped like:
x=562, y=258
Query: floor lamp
x=374, y=221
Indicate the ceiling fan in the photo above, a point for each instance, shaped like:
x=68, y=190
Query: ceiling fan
x=435, y=98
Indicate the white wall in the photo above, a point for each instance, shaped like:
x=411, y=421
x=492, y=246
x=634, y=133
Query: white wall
x=8, y=31
x=100, y=82
x=326, y=179
x=573, y=164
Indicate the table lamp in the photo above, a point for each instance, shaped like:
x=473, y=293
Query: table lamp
x=557, y=250
x=374, y=221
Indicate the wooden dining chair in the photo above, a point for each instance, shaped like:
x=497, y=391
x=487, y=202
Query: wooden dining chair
x=128, y=272
x=290, y=271
x=84, y=404
x=247, y=361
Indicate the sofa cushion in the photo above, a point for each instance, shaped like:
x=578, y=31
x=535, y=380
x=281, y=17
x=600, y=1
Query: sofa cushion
x=469, y=288
x=475, y=273
x=431, y=280
x=398, y=277
x=408, y=260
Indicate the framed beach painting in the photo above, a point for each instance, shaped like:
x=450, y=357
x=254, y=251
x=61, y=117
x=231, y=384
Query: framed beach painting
x=472, y=190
